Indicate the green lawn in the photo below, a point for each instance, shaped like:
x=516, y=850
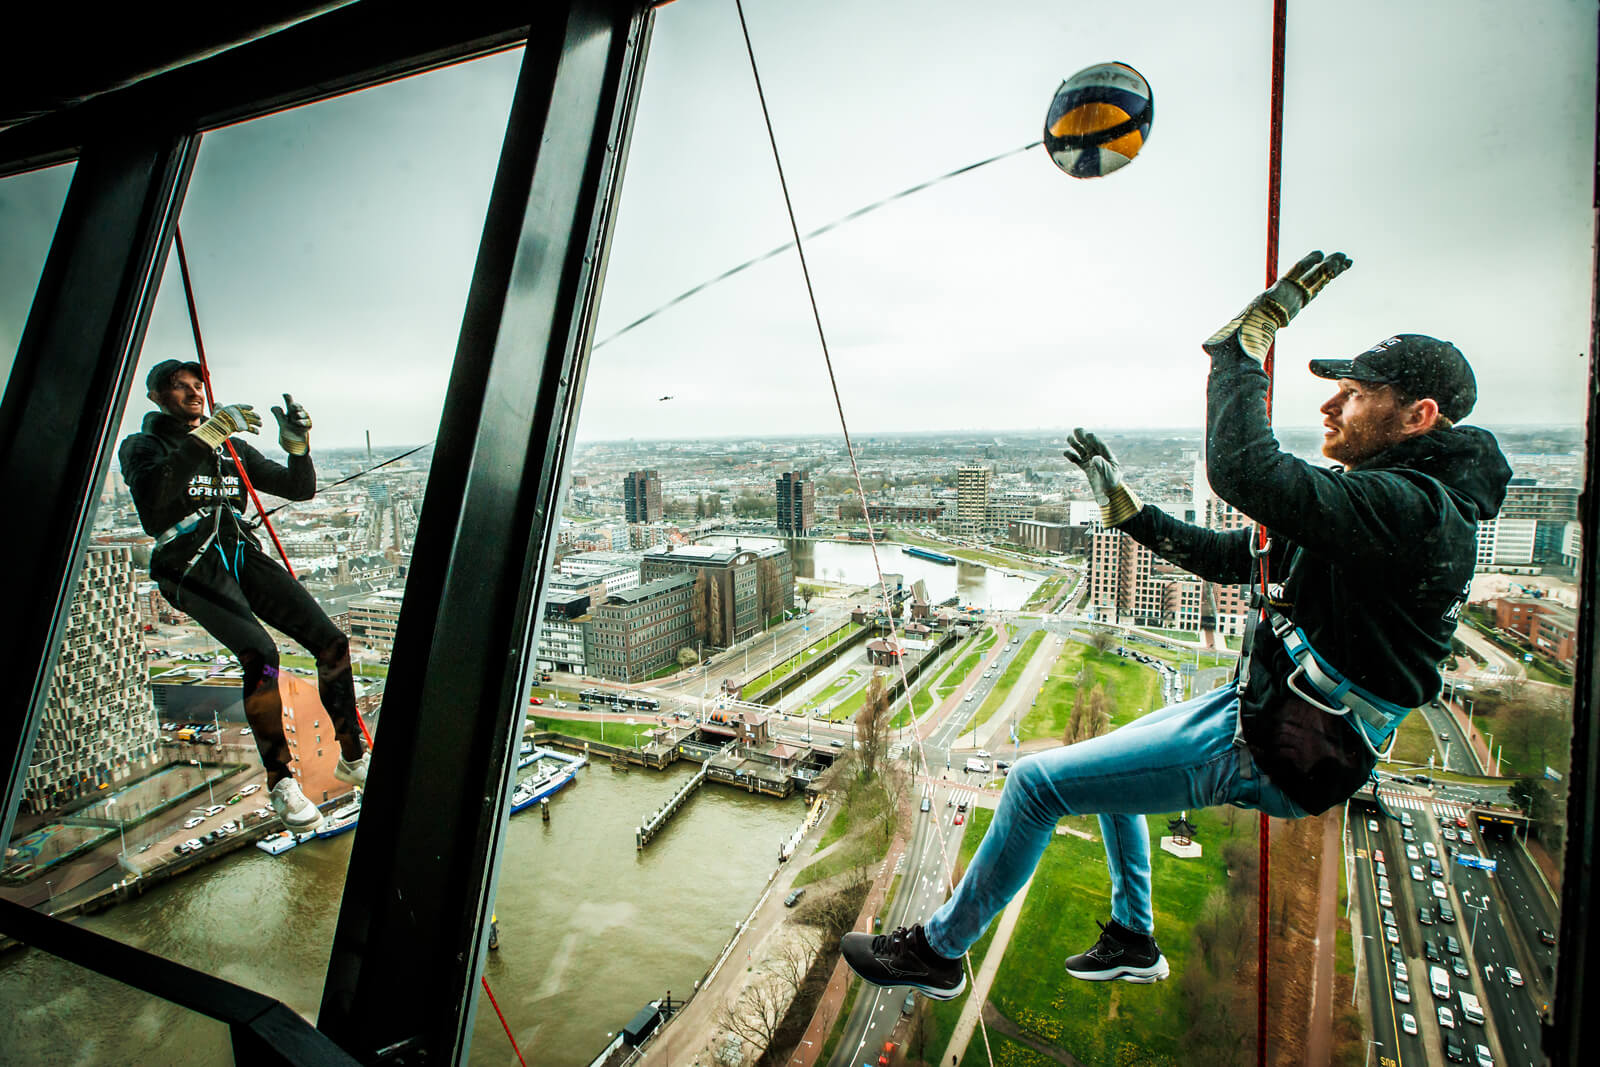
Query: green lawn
x=1130, y=686
x=970, y=555
x=1175, y=656
x=617, y=732
x=799, y=659
x=1414, y=741
x=990, y=636
x=1110, y=1022
x=943, y=1014
x=1176, y=635
x=1009, y=678
x=362, y=670
x=1045, y=593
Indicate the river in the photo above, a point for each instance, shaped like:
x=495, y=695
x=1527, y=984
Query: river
x=590, y=929
x=844, y=561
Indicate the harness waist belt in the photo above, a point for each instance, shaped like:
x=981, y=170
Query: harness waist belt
x=1375, y=718
x=183, y=526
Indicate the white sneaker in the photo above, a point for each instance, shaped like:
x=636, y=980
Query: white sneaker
x=353, y=772
x=297, y=813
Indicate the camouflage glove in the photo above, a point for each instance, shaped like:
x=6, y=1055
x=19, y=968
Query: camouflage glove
x=294, y=426
x=1261, y=319
x=225, y=422
x=1117, y=502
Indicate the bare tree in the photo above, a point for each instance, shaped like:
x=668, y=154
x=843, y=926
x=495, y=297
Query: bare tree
x=1100, y=638
x=790, y=961
x=806, y=592
x=872, y=726
x=755, y=1014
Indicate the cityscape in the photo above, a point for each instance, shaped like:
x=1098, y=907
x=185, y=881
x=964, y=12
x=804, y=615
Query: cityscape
x=742, y=613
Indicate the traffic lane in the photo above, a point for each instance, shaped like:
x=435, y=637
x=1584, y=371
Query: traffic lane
x=1513, y=1008
x=1456, y=754
x=1375, y=951
x=1525, y=900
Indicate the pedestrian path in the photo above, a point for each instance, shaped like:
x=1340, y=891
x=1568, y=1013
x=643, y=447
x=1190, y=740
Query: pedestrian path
x=1412, y=802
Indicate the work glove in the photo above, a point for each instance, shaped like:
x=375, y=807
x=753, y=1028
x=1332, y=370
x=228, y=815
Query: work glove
x=294, y=426
x=1261, y=319
x=1117, y=502
x=225, y=422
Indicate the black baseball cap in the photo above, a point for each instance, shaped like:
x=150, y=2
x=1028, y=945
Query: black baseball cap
x=1417, y=365
x=162, y=372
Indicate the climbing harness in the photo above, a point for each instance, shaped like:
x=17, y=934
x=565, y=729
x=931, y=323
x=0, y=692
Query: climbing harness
x=1374, y=719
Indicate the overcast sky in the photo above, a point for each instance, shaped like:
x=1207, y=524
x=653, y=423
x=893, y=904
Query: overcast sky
x=1446, y=147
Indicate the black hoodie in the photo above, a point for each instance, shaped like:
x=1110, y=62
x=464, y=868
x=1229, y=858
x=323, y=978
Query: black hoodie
x=1378, y=559
x=172, y=474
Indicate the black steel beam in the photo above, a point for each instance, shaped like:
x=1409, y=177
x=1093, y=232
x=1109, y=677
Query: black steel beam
x=407, y=955
x=1567, y=1037
x=67, y=386
x=264, y=1030
x=355, y=46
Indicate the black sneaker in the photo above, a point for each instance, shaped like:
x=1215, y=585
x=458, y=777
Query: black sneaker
x=1120, y=953
x=903, y=958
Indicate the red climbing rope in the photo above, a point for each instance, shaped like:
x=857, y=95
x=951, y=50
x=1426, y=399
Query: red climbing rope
x=485, y=980
x=211, y=404
x=1274, y=188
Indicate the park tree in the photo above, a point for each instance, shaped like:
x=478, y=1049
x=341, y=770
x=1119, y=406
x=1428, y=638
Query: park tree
x=1101, y=639
x=754, y=1015
x=687, y=657
x=806, y=592
x=872, y=726
x=851, y=511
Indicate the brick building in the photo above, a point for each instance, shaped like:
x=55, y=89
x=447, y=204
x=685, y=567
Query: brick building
x=640, y=631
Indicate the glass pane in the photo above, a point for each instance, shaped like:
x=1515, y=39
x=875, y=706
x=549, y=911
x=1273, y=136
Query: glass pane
x=70, y=1014
x=30, y=204
x=973, y=323
x=330, y=249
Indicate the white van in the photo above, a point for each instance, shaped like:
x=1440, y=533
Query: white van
x=1471, y=1010
x=977, y=766
x=1439, y=982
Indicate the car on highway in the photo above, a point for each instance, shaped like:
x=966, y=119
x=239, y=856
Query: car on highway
x=215, y=809
x=909, y=1005
x=1391, y=935
x=1408, y=836
x=1451, y=945
x=970, y=696
x=1372, y=826
x=1447, y=1018
x=1458, y=967
x=1400, y=973
x=1383, y=881
x=1385, y=898
x=1454, y=1050
x=535, y=700
x=961, y=817
x=1461, y=821
x=1402, y=993
x=244, y=731
x=1424, y=914
x=1377, y=855
x=1450, y=834
x=251, y=788
x=1380, y=868
x=190, y=824
x=1388, y=918
x=836, y=743
x=193, y=844
x=1484, y=1057
x=1416, y=873
x=1436, y=868
x=1446, y=913
x=1429, y=850
x=1437, y=888
x=1408, y=1023
x=584, y=707
x=1430, y=951
x=1547, y=936
x=1395, y=955
x=1513, y=976
x=1412, y=853
x=927, y=803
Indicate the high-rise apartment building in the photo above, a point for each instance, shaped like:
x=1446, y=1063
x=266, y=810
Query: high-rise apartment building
x=797, y=503
x=99, y=723
x=641, y=496
x=972, y=494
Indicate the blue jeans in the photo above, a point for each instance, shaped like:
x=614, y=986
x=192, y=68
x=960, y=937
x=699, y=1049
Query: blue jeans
x=1186, y=756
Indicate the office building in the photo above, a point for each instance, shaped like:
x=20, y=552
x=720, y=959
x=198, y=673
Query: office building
x=639, y=632
x=744, y=589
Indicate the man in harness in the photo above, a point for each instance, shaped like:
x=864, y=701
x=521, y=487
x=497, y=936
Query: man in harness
x=1369, y=565
x=208, y=563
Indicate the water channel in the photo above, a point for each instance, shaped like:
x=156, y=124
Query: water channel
x=590, y=930
x=843, y=561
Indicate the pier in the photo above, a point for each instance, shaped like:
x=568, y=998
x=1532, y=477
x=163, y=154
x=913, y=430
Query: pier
x=653, y=823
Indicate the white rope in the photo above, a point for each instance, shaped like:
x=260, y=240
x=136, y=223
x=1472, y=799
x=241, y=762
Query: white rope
x=855, y=470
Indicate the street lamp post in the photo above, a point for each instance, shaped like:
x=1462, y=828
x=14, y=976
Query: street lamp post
x=1477, y=910
x=1356, y=954
x=110, y=802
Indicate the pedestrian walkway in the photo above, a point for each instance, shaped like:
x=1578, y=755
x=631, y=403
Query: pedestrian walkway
x=984, y=979
x=1413, y=802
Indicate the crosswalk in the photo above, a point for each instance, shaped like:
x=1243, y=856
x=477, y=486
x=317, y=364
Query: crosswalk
x=1440, y=808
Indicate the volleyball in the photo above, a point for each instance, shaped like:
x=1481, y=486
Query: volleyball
x=1099, y=120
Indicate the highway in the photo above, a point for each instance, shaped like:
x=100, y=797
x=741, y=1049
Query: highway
x=924, y=870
